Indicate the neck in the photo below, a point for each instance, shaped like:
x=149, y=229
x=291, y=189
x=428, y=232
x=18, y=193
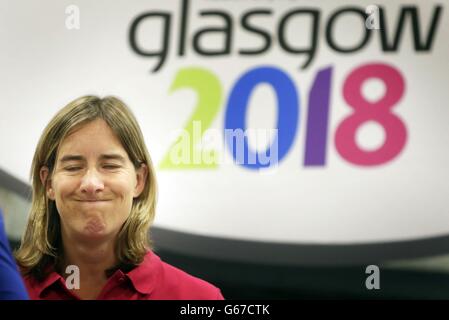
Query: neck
x=92, y=259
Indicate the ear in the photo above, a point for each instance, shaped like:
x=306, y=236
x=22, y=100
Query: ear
x=46, y=182
x=141, y=179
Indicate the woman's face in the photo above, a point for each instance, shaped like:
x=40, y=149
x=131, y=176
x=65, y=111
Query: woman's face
x=94, y=183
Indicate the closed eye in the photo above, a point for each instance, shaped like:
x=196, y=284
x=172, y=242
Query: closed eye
x=72, y=168
x=110, y=166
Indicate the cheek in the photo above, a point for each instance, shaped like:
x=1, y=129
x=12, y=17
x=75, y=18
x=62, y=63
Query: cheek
x=123, y=187
x=123, y=192
x=63, y=187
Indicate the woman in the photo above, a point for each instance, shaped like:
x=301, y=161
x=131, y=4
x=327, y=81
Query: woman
x=94, y=196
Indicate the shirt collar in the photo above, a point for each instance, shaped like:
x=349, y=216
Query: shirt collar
x=145, y=276
x=41, y=286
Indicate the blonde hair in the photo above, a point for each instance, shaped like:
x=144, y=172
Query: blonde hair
x=41, y=242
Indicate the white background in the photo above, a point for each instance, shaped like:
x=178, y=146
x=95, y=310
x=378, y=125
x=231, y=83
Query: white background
x=43, y=66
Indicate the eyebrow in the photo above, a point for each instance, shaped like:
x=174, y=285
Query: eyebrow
x=110, y=156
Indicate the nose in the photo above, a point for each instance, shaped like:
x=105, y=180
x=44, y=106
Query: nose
x=91, y=183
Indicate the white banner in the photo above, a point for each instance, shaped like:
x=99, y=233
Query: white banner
x=349, y=99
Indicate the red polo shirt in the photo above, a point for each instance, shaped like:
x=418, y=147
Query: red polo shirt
x=152, y=279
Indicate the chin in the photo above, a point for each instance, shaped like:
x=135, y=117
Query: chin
x=94, y=238
x=90, y=235
x=95, y=228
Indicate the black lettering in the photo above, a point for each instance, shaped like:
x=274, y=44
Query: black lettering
x=183, y=26
x=162, y=53
x=329, y=36
x=265, y=35
x=315, y=14
x=226, y=30
x=420, y=44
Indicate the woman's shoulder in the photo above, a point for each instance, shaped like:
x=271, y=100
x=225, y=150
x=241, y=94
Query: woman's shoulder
x=175, y=283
